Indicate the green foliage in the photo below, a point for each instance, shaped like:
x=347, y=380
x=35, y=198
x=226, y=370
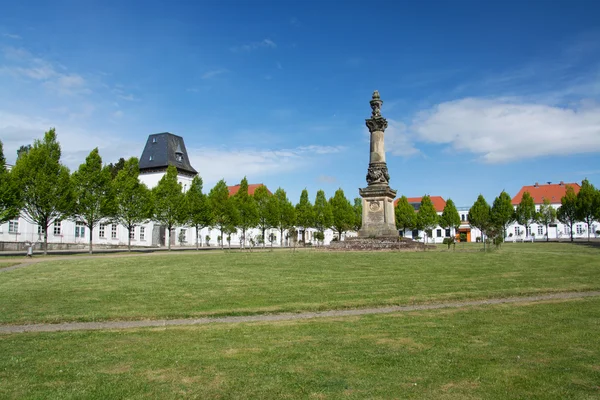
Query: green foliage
x=480, y=215
x=525, y=213
x=44, y=184
x=546, y=215
x=322, y=211
x=285, y=212
x=92, y=192
x=304, y=213
x=503, y=212
x=266, y=210
x=567, y=212
x=463, y=237
x=449, y=241
x=23, y=149
x=132, y=200
x=168, y=200
x=357, y=214
x=247, y=209
x=406, y=217
x=9, y=193
x=450, y=218
x=115, y=168
x=427, y=217
x=343, y=213
x=319, y=236
x=198, y=211
x=586, y=205
x=225, y=213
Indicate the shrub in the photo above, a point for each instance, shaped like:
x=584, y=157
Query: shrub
x=449, y=241
x=478, y=239
x=463, y=237
x=207, y=239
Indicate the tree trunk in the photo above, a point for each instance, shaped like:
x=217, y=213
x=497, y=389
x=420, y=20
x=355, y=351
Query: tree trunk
x=129, y=238
x=197, y=247
x=281, y=238
x=588, y=229
x=222, y=239
x=91, y=235
x=263, y=237
x=547, y=233
x=170, y=234
x=46, y=239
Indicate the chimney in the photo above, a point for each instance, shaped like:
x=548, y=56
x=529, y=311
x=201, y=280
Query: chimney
x=536, y=184
x=561, y=183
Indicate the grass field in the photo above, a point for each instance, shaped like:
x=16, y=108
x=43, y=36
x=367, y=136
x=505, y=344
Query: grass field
x=527, y=351
x=215, y=283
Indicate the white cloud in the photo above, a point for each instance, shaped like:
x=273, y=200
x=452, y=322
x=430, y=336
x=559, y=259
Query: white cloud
x=11, y=36
x=263, y=44
x=214, y=164
x=398, y=141
x=213, y=73
x=501, y=130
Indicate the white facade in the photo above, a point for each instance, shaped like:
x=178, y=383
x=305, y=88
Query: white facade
x=151, y=179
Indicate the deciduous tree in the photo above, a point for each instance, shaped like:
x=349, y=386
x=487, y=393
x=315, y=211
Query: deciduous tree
x=322, y=212
x=247, y=209
x=224, y=212
x=9, y=198
x=586, y=204
x=343, y=213
x=357, y=214
x=525, y=213
x=266, y=210
x=427, y=217
x=197, y=208
x=546, y=216
x=503, y=212
x=92, y=193
x=304, y=214
x=44, y=184
x=406, y=217
x=567, y=212
x=286, y=214
x=132, y=200
x=480, y=216
x=168, y=200
x=450, y=218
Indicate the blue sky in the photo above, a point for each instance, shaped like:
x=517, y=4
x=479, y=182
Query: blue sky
x=480, y=96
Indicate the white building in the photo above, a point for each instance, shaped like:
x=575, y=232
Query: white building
x=557, y=230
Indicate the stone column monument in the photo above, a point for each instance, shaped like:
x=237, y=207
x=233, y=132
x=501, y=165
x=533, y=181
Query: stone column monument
x=378, y=217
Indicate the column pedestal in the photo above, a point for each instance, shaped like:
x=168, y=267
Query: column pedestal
x=378, y=216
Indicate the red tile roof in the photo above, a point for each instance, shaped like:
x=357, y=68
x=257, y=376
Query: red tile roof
x=553, y=192
x=438, y=202
x=251, y=188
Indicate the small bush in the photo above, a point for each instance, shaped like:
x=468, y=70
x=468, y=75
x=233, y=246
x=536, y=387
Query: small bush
x=463, y=237
x=449, y=241
x=478, y=239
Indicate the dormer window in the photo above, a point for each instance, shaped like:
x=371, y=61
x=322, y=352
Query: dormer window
x=154, y=140
x=179, y=157
x=151, y=158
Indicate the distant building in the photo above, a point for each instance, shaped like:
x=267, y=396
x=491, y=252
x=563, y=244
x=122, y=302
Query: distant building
x=554, y=192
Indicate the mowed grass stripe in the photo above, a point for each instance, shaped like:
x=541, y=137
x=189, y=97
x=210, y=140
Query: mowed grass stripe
x=219, y=284
x=524, y=351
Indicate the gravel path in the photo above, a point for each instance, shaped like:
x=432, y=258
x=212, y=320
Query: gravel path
x=79, y=326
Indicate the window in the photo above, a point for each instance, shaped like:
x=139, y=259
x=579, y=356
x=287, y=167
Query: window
x=579, y=228
x=113, y=231
x=40, y=230
x=132, y=233
x=151, y=158
x=179, y=157
x=517, y=231
x=182, y=234
x=462, y=217
x=101, y=228
x=415, y=233
x=57, y=226
x=142, y=233
x=528, y=231
x=79, y=229
x=439, y=233
x=447, y=232
x=540, y=230
x=13, y=226
x=154, y=140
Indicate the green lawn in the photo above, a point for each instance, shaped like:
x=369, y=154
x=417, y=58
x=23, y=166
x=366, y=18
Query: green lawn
x=517, y=351
x=215, y=283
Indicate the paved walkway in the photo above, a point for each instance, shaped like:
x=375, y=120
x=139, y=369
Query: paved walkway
x=80, y=326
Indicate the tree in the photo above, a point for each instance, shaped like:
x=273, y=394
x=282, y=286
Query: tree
x=266, y=210
x=525, y=213
x=224, y=212
x=503, y=212
x=343, y=213
x=44, y=184
x=567, y=212
x=586, y=204
x=480, y=216
x=286, y=214
x=168, y=200
x=23, y=149
x=322, y=212
x=115, y=168
x=304, y=214
x=450, y=218
x=247, y=209
x=357, y=214
x=132, y=200
x=427, y=217
x=92, y=193
x=406, y=217
x=197, y=207
x=546, y=216
x=9, y=198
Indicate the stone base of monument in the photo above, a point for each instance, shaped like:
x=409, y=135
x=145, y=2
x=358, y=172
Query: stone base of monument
x=379, y=244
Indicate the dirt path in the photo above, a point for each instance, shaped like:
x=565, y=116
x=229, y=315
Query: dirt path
x=79, y=326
